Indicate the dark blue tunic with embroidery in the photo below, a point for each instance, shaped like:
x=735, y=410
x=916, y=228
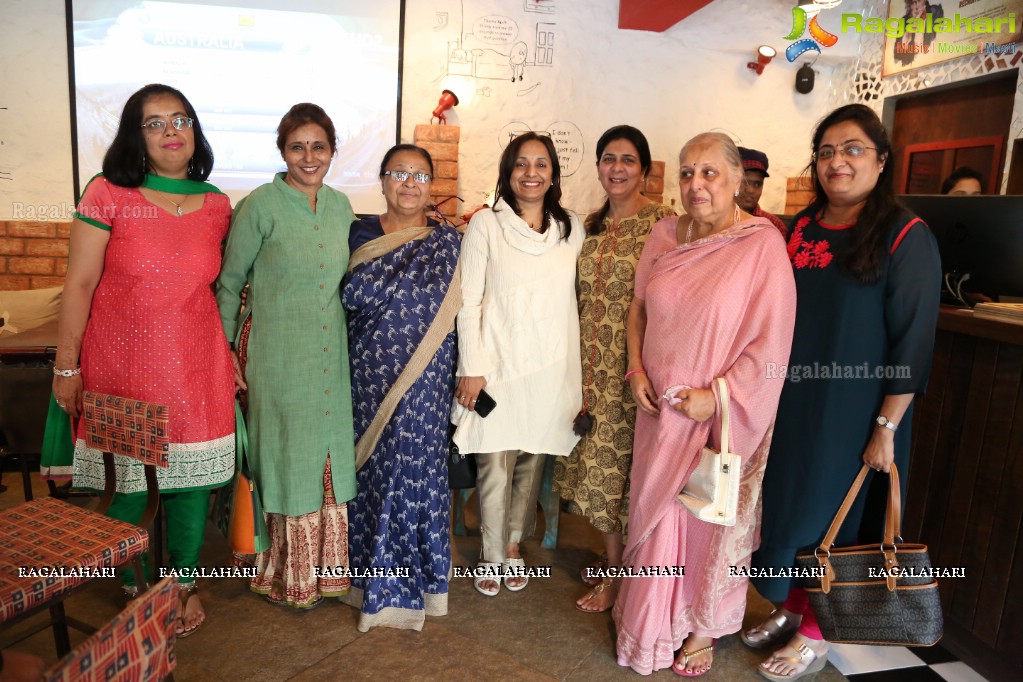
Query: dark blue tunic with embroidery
x=853, y=345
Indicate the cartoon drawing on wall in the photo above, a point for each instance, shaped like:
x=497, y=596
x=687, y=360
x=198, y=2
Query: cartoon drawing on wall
x=541, y=6
x=442, y=21
x=517, y=59
x=566, y=136
x=495, y=49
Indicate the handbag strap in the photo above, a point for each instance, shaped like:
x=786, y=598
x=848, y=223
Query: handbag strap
x=241, y=440
x=723, y=395
x=892, y=524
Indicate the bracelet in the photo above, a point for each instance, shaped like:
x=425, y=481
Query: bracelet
x=634, y=371
x=66, y=372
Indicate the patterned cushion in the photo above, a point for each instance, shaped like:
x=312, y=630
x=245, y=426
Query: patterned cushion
x=47, y=533
x=136, y=646
x=123, y=426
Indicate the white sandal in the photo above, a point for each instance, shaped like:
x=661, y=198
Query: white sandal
x=515, y=569
x=487, y=571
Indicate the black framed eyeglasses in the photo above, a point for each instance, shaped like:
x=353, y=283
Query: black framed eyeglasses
x=402, y=176
x=158, y=125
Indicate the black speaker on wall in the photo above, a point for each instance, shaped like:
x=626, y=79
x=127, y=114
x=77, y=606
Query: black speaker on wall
x=804, y=79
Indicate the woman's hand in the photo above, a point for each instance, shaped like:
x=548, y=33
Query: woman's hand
x=468, y=390
x=880, y=451
x=68, y=392
x=699, y=404
x=643, y=393
x=239, y=376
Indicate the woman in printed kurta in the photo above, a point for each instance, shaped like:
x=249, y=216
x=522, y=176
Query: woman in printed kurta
x=139, y=313
x=868, y=285
x=289, y=240
x=594, y=479
x=714, y=298
x=401, y=296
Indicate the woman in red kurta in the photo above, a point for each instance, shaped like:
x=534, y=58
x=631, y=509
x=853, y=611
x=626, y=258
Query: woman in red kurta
x=139, y=316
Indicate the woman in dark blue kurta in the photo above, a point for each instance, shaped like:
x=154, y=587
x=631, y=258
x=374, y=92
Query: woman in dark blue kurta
x=401, y=295
x=861, y=350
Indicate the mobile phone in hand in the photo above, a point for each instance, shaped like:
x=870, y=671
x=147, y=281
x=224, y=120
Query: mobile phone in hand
x=484, y=404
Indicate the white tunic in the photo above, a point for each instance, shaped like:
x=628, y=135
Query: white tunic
x=519, y=329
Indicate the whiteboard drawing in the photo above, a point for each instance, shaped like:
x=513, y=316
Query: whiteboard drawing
x=496, y=49
x=442, y=21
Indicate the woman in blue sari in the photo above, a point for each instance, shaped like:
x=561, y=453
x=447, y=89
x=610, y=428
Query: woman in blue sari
x=401, y=296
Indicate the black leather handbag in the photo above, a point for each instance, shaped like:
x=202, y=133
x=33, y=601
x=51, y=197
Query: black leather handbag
x=873, y=594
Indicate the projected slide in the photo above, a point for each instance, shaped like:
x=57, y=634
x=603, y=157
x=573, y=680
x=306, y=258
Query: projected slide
x=242, y=66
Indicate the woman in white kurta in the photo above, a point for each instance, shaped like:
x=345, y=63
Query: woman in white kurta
x=518, y=338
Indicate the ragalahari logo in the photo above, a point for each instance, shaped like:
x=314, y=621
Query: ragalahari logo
x=804, y=18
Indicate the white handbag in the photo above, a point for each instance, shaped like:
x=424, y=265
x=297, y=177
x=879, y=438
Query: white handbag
x=712, y=492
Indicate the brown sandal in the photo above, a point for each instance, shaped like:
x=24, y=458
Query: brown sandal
x=185, y=593
x=602, y=586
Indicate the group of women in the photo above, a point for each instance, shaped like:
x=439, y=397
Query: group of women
x=599, y=343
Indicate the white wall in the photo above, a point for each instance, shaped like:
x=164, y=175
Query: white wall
x=35, y=112
x=671, y=85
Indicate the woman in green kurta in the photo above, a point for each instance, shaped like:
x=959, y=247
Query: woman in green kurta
x=289, y=241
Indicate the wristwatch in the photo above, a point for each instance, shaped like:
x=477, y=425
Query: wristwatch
x=886, y=422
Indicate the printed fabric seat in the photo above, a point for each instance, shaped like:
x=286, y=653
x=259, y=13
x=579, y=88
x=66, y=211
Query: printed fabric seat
x=136, y=646
x=48, y=547
x=44, y=537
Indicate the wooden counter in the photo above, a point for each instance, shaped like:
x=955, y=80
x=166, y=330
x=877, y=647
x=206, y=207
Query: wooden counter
x=965, y=497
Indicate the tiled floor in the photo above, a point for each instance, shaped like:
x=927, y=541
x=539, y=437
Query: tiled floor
x=531, y=635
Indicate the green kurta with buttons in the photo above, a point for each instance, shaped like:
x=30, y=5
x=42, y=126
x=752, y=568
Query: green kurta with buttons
x=300, y=397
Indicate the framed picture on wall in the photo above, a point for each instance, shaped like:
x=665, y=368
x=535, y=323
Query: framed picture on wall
x=921, y=33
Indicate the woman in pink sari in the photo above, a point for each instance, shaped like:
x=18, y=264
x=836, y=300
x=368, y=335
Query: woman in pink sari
x=714, y=298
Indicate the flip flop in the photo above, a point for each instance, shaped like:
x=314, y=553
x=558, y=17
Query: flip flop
x=186, y=592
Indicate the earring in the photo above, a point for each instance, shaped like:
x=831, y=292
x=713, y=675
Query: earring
x=736, y=192
x=145, y=164
x=191, y=165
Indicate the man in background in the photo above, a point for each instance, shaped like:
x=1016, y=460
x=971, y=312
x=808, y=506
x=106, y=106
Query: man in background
x=755, y=165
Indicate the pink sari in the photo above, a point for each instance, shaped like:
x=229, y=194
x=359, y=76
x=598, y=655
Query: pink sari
x=723, y=306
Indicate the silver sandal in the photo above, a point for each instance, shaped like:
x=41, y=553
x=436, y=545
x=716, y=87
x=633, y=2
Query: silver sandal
x=808, y=659
x=776, y=628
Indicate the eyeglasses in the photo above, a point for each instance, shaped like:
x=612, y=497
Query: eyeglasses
x=402, y=176
x=158, y=125
x=852, y=150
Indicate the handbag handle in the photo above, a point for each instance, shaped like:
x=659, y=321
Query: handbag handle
x=241, y=434
x=723, y=394
x=892, y=524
